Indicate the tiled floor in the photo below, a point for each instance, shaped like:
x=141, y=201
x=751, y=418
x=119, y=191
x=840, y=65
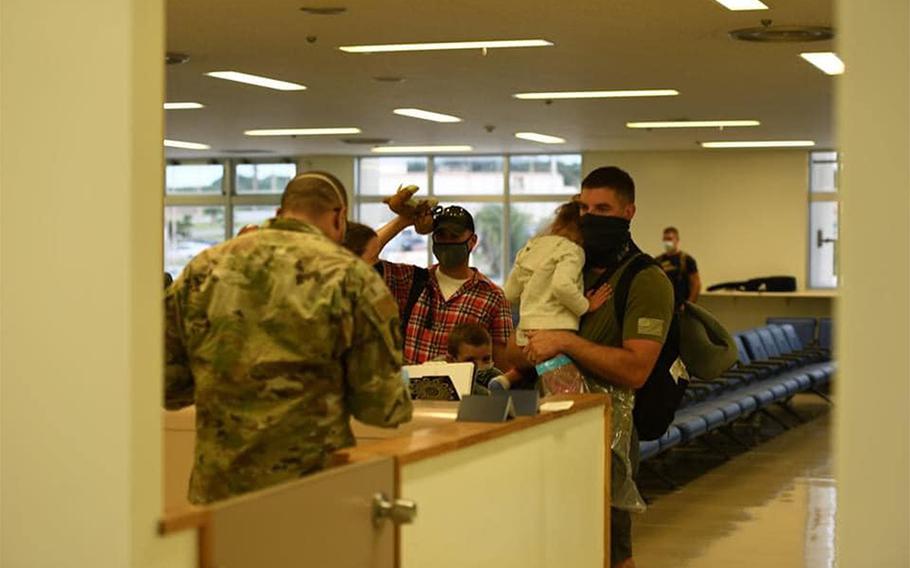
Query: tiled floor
x=771, y=506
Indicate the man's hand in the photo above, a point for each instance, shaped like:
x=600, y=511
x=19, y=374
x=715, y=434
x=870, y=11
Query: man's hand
x=544, y=345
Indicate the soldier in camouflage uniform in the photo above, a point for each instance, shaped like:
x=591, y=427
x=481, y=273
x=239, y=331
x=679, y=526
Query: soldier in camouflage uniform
x=279, y=336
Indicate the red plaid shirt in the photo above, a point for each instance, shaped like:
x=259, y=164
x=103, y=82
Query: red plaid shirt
x=479, y=300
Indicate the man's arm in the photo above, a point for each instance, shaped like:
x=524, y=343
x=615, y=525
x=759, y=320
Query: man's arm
x=179, y=385
x=376, y=393
x=391, y=230
x=694, y=287
x=627, y=366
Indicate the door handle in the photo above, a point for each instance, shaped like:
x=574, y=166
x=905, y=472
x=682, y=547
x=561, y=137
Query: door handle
x=399, y=511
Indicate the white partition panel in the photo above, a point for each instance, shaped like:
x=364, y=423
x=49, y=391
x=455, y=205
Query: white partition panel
x=530, y=499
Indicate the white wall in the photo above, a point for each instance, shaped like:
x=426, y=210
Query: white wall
x=873, y=319
x=80, y=254
x=741, y=213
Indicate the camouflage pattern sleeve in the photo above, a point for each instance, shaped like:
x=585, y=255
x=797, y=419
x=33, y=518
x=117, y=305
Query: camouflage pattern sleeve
x=179, y=386
x=375, y=391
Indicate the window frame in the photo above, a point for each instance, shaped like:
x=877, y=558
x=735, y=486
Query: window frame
x=228, y=198
x=506, y=199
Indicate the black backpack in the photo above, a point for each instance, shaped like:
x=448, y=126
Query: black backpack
x=657, y=400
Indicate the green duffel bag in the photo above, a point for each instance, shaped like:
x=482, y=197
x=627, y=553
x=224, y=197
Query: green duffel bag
x=706, y=348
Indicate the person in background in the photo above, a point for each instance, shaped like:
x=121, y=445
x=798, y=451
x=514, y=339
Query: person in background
x=617, y=359
x=278, y=337
x=680, y=267
x=470, y=343
x=434, y=301
x=363, y=242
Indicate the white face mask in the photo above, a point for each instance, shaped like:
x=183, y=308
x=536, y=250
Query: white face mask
x=669, y=246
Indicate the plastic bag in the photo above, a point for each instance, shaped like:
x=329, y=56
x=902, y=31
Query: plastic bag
x=559, y=375
x=625, y=493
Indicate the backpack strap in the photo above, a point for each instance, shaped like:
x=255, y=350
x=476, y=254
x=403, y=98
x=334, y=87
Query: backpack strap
x=418, y=284
x=621, y=292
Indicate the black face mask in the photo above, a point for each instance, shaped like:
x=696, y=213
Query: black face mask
x=451, y=255
x=607, y=239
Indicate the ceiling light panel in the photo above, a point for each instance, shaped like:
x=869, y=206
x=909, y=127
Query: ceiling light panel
x=183, y=106
x=426, y=115
x=301, y=131
x=542, y=138
x=742, y=5
x=827, y=61
x=597, y=94
x=185, y=145
x=760, y=144
x=693, y=124
x=444, y=46
x=257, y=80
x=421, y=149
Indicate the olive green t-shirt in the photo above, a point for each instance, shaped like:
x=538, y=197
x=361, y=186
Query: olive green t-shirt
x=649, y=309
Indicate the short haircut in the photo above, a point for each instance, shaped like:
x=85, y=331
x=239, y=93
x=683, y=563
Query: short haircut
x=611, y=177
x=673, y=230
x=358, y=237
x=467, y=333
x=315, y=193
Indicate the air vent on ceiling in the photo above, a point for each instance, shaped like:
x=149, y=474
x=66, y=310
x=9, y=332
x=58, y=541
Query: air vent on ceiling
x=245, y=152
x=324, y=10
x=768, y=33
x=366, y=141
x=389, y=79
x=175, y=58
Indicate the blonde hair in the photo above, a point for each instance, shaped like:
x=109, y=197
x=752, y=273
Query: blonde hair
x=314, y=192
x=567, y=222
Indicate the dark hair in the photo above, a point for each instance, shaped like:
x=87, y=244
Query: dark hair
x=357, y=238
x=467, y=333
x=566, y=222
x=673, y=230
x=611, y=177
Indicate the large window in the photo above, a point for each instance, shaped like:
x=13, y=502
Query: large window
x=206, y=203
x=512, y=198
x=823, y=220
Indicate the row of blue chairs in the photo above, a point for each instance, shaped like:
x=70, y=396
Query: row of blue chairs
x=774, y=365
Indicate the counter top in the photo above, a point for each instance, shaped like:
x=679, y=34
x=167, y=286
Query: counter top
x=432, y=432
x=784, y=295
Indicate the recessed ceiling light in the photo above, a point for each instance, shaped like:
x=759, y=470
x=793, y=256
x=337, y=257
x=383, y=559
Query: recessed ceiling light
x=827, y=61
x=442, y=46
x=182, y=106
x=426, y=115
x=760, y=144
x=421, y=149
x=389, y=79
x=542, y=138
x=186, y=145
x=741, y=5
x=301, y=131
x=597, y=94
x=256, y=80
x=693, y=124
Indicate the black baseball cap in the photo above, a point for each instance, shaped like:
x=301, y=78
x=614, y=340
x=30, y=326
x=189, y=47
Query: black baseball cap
x=453, y=218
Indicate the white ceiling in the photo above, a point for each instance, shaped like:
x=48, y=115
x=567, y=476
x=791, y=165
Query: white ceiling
x=600, y=44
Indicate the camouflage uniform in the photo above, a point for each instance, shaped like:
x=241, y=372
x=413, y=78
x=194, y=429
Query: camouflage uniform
x=278, y=337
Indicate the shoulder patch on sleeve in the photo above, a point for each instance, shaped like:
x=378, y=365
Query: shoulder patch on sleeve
x=651, y=326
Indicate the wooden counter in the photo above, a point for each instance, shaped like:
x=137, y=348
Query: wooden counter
x=534, y=476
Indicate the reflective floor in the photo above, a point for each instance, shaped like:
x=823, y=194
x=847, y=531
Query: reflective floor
x=773, y=505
